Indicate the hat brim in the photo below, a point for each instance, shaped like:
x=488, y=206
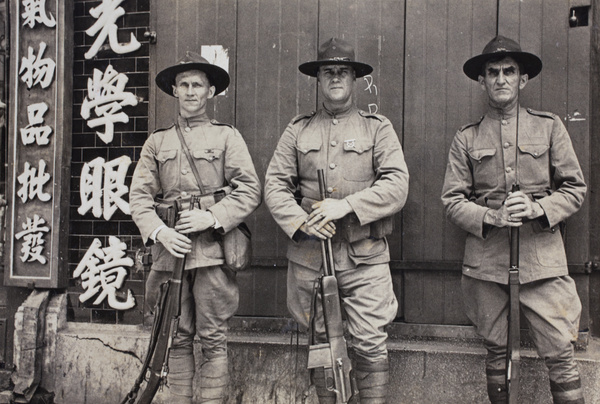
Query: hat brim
x=218, y=77
x=312, y=68
x=531, y=63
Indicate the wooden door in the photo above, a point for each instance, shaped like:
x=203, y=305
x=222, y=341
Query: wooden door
x=417, y=49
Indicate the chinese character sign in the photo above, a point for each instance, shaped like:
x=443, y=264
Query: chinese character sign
x=106, y=95
x=102, y=273
x=102, y=185
x=105, y=27
x=35, y=13
x=39, y=143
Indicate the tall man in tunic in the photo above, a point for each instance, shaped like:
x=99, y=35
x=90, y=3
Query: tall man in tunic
x=367, y=182
x=513, y=145
x=210, y=292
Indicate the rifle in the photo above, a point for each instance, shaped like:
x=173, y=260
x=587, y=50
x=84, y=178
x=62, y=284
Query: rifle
x=513, y=354
x=332, y=355
x=164, y=327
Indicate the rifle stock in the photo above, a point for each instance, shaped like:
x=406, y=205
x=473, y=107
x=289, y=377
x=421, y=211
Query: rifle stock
x=513, y=354
x=333, y=355
x=165, y=325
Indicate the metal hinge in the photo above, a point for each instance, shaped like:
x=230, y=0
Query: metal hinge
x=591, y=266
x=151, y=35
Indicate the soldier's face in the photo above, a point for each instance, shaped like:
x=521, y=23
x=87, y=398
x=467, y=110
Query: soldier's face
x=193, y=89
x=502, y=82
x=337, y=82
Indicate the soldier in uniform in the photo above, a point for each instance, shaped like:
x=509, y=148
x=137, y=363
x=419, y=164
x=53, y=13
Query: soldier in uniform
x=513, y=145
x=367, y=182
x=210, y=292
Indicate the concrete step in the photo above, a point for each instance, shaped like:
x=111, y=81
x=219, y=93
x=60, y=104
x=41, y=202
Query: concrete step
x=98, y=364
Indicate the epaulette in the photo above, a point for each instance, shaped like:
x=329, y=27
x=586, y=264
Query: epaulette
x=217, y=123
x=162, y=129
x=370, y=115
x=300, y=117
x=541, y=113
x=471, y=124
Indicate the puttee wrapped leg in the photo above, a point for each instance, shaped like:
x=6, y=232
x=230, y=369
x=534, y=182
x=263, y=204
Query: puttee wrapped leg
x=567, y=393
x=214, y=378
x=181, y=375
x=318, y=378
x=372, y=379
x=496, y=385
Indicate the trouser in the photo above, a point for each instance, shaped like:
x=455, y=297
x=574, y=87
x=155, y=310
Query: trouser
x=369, y=303
x=209, y=299
x=552, y=309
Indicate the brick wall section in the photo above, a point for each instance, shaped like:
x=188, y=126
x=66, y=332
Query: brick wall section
x=128, y=140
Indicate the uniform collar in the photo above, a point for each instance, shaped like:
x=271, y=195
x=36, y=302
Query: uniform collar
x=193, y=121
x=498, y=113
x=340, y=114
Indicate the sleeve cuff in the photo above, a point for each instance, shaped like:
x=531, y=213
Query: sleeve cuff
x=155, y=232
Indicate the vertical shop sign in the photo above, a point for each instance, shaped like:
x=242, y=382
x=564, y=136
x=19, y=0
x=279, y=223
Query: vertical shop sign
x=39, y=141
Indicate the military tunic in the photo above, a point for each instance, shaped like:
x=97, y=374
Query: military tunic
x=222, y=159
x=481, y=170
x=364, y=164
x=483, y=164
x=210, y=293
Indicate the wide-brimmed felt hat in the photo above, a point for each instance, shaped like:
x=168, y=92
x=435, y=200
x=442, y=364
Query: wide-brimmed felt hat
x=503, y=47
x=335, y=52
x=217, y=76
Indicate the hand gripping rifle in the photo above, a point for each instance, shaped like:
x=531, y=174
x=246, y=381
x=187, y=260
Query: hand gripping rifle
x=332, y=355
x=164, y=328
x=513, y=353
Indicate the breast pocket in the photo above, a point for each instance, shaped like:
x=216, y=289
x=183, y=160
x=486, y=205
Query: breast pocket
x=168, y=168
x=358, y=161
x=308, y=161
x=534, y=164
x=210, y=164
x=485, y=168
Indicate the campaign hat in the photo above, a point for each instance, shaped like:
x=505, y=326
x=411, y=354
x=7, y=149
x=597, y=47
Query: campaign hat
x=217, y=76
x=335, y=51
x=498, y=48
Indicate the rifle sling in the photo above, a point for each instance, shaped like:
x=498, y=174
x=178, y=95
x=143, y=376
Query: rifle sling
x=186, y=151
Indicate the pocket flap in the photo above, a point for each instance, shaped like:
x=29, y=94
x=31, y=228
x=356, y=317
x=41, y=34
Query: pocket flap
x=357, y=147
x=305, y=148
x=207, y=154
x=165, y=155
x=479, y=154
x=536, y=150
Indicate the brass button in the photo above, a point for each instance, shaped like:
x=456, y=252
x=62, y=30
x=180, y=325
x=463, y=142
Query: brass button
x=334, y=121
x=508, y=169
x=333, y=143
x=187, y=129
x=330, y=189
x=332, y=166
x=184, y=171
x=504, y=122
x=506, y=145
x=184, y=193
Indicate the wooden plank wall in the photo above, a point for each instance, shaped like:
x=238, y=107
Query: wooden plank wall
x=417, y=48
x=440, y=37
x=185, y=25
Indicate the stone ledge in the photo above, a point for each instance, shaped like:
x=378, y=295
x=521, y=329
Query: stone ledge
x=98, y=364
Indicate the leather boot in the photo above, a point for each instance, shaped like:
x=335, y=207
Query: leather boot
x=372, y=379
x=567, y=393
x=496, y=386
x=318, y=378
x=181, y=375
x=214, y=378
